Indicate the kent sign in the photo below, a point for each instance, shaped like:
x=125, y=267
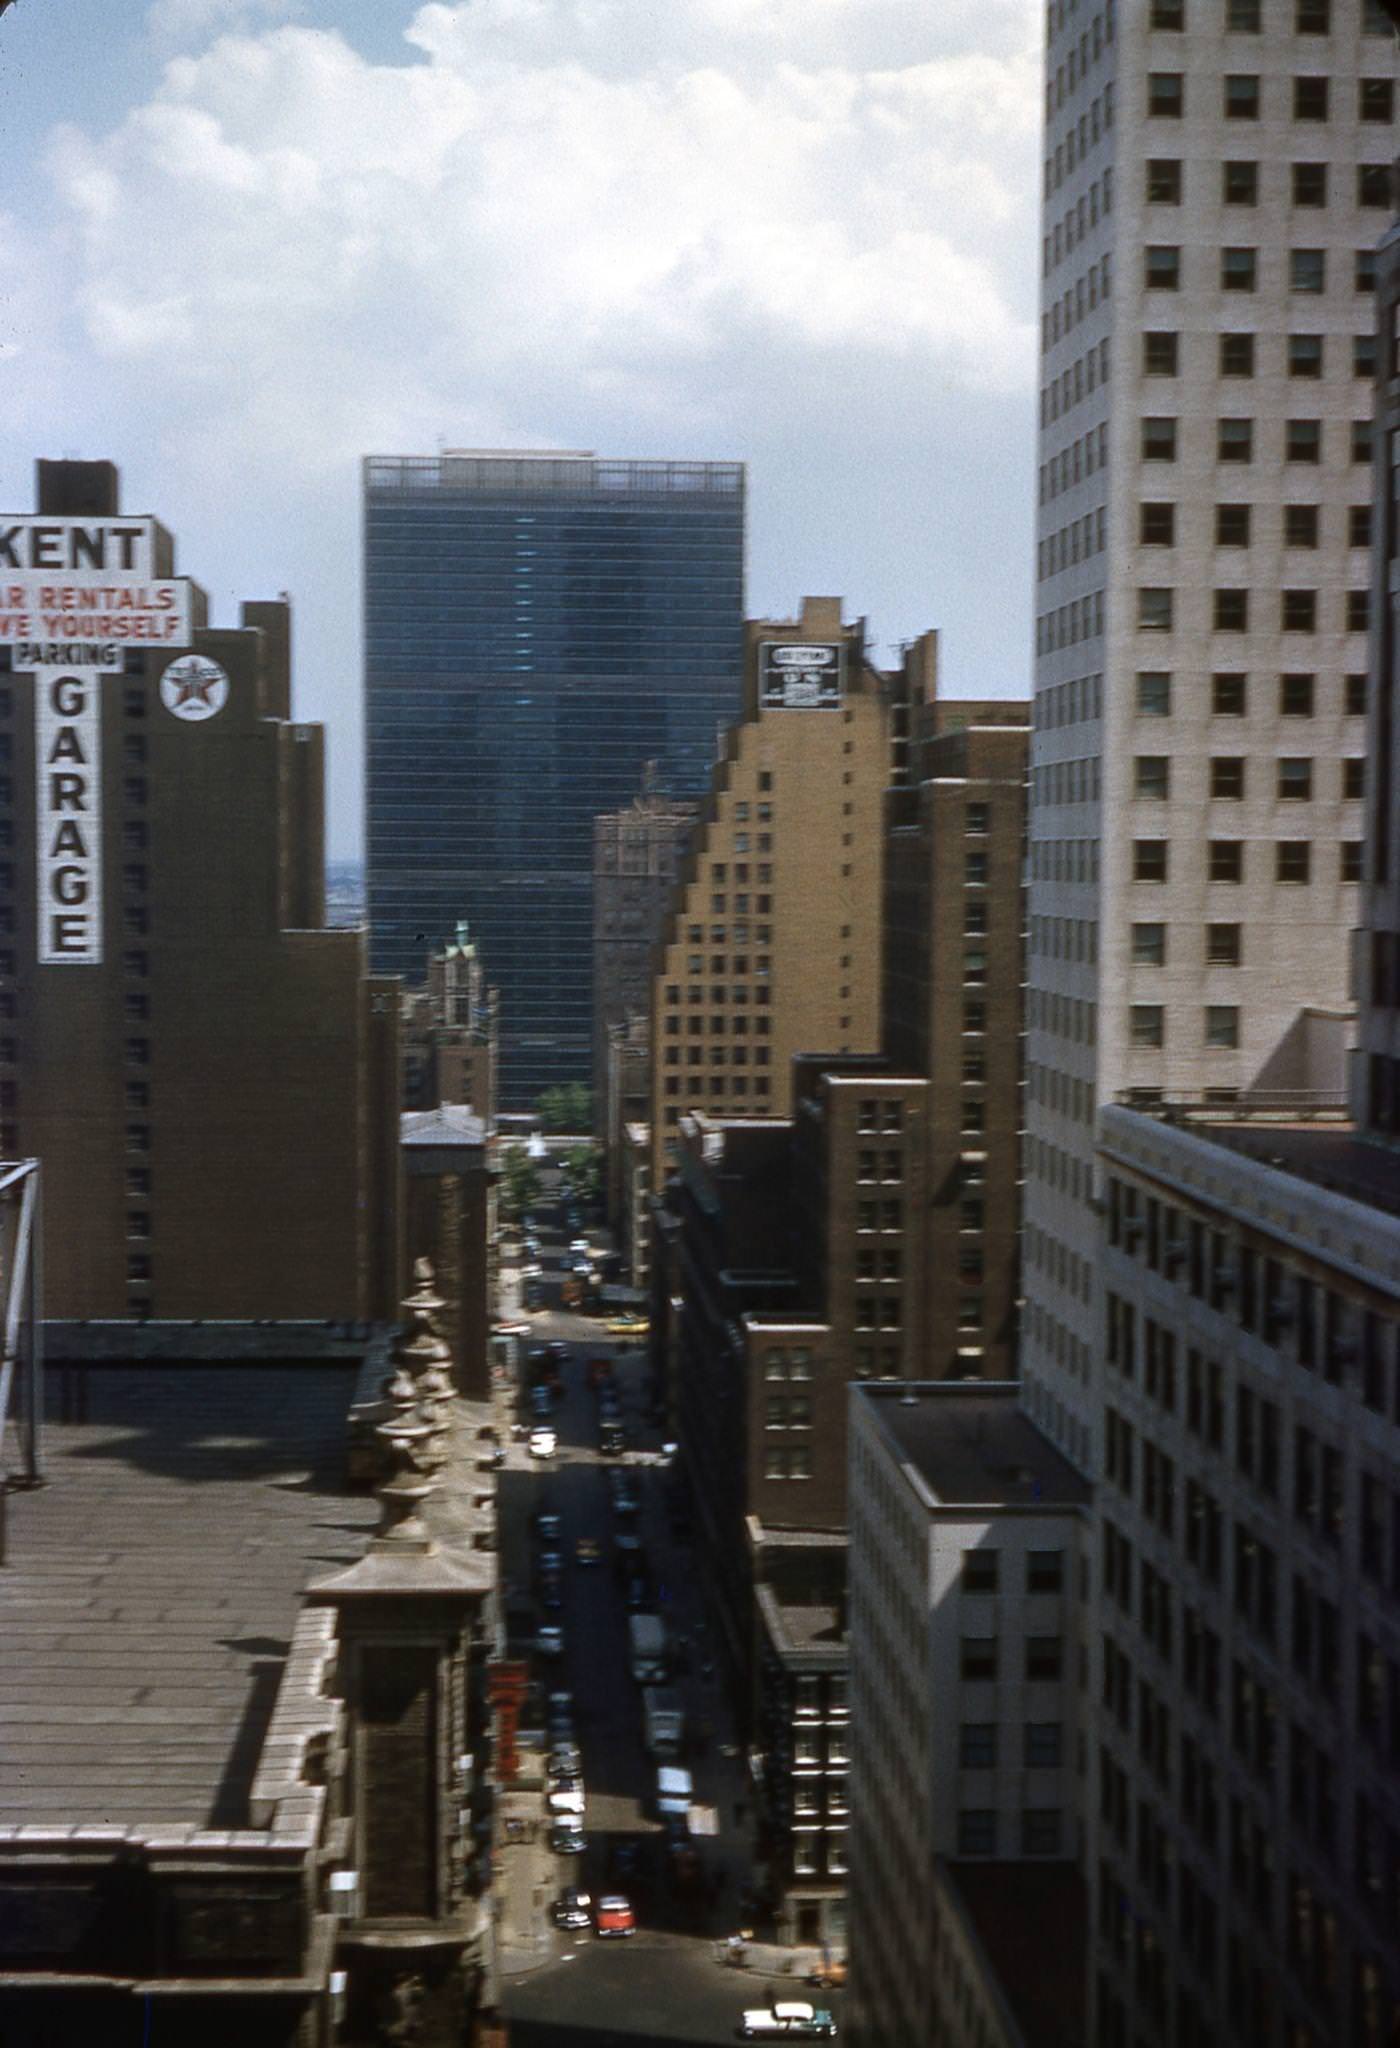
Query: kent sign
x=801, y=675
x=74, y=594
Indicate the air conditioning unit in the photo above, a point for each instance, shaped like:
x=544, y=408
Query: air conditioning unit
x=343, y=1887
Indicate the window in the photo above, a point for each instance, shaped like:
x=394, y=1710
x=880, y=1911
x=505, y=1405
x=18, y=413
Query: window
x=1305, y=355
x=980, y=1571
x=1308, y=184
x=1149, y=945
x=1303, y=441
x=1222, y=945
x=1239, y=184
x=1373, y=185
x=1225, y=860
x=1159, y=440
x=1045, y=1571
x=1227, y=777
x=977, y=1831
x=1235, y=440
x=1152, y=777
x=1361, y=440
x=1150, y=860
x=1164, y=180
x=1295, y=779
x=1145, y=1026
x=1300, y=526
x=1044, y=1745
x=1166, y=95
x=1230, y=612
x=1307, y=270
x=979, y=1657
x=1168, y=14
x=1353, y=779
x=1355, y=697
x=1222, y=1026
x=1241, y=97
x=1242, y=16
x=1232, y=526
x=1292, y=858
x=1295, y=696
x=1237, y=355
x=1376, y=100
x=1044, y=1657
x=1359, y=526
x=1313, y=17
x=1350, y=864
x=1358, y=611
x=1154, y=693
x=1310, y=99
x=1298, y=611
x=977, y=1745
x=1159, y=354
x=1157, y=525
x=1040, y=1831
x=1238, y=270
x=1154, y=609
x=1161, y=268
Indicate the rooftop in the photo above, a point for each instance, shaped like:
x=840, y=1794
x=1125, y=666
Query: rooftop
x=794, y=1628
x=1308, y=1135
x=153, y=1585
x=973, y=1447
x=452, y=1123
x=1031, y=1922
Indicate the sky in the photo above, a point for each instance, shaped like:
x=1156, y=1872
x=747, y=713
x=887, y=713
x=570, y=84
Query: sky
x=244, y=243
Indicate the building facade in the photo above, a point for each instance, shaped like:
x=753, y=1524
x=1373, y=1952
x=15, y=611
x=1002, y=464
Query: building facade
x=637, y=854
x=537, y=628
x=450, y=1032
x=952, y=1012
x=1245, y=1824
x=968, y=1547
x=208, y=1074
x=1214, y=183
x=772, y=945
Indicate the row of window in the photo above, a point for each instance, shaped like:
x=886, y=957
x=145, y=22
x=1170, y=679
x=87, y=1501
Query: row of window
x=1299, y=440
x=1162, y=269
x=1310, y=17
x=1230, y=611
x=1234, y=524
x=979, y=1658
x=1042, y=1832
x=1225, y=860
x=1164, y=179
x=1044, y=1571
x=1237, y=355
x=1230, y=694
x=1220, y=1026
x=1227, y=777
x=1242, y=97
x=1042, y=1745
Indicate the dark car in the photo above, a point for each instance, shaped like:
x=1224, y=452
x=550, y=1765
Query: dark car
x=549, y=1527
x=572, y=1908
x=551, y=1592
x=567, y=1839
x=636, y=1595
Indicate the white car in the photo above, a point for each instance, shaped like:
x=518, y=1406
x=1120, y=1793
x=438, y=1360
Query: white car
x=543, y=1443
x=549, y=1639
x=579, y=1244
x=788, y=2020
x=566, y=1797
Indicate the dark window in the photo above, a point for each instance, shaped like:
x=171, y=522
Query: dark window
x=1239, y=183
x=1376, y=100
x=1308, y=184
x=1166, y=94
x=1159, y=354
x=1231, y=611
x=1310, y=99
x=1355, y=698
x=1364, y=274
x=1296, y=696
x=1292, y=860
x=1225, y=860
x=1243, y=16
x=1157, y=525
x=977, y=1745
x=1298, y=611
x=1235, y=440
x=1222, y=945
x=1241, y=97
x=1222, y=1029
x=1149, y=945
x=1227, y=776
x=1229, y=696
x=1146, y=1026
x=1305, y=355
x=1353, y=779
x=1302, y=441
x=980, y=1571
x=1307, y=270
x=1044, y=1657
x=1154, y=693
x=1232, y=526
x=1237, y=355
x=1300, y=526
x=1359, y=526
x=1313, y=17
x=1161, y=267
x=1238, y=270
x=1164, y=180
x=1159, y=440
x=1150, y=860
x=1373, y=185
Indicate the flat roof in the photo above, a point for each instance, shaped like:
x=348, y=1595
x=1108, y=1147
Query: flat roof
x=153, y=1584
x=1331, y=1156
x=973, y=1446
x=1031, y=1922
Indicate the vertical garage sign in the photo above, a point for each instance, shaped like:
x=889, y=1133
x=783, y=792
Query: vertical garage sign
x=68, y=814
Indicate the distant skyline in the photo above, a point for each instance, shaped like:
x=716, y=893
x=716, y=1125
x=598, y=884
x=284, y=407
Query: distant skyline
x=249, y=241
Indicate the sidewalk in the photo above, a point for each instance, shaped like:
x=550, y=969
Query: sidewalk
x=526, y=1884
x=767, y=1959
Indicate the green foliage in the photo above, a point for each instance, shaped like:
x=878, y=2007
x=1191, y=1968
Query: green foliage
x=584, y=1166
x=520, y=1183
x=567, y=1108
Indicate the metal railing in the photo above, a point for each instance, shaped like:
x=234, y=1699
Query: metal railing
x=1250, y=1106
x=22, y=1356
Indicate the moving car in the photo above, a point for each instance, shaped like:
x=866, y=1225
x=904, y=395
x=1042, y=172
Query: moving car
x=791, y=2019
x=572, y=1908
x=613, y=1916
x=564, y=1760
x=628, y=1326
x=566, y=1796
x=566, y=1838
x=543, y=1443
x=549, y=1639
x=548, y=1526
x=588, y=1550
x=579, y=1244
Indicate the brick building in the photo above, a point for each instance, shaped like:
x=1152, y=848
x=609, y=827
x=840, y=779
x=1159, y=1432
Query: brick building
x=208, y=1074
x=450, y=1030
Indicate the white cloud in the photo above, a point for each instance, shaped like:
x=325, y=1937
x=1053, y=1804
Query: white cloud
x=183, y=21
x=801, y=230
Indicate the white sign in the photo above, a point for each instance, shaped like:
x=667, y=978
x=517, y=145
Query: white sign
x=88, y=582
x=194, y=687
x=68, y=814
x=801, y=675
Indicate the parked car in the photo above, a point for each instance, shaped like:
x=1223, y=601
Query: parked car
x=566, y=1796
x=551, y=1592
x=549, y=1639
x=549, y=1527
x=587, y=1550
x=572, y=1908
x=567, y=1838
x=791, y=2019
x=613, y=1916
x=628, y=1326
x=564, y=1760
x=543, y=1443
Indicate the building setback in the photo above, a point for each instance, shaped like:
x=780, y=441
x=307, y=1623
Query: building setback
x=1214, y=183
x=209, y=1076
x=537, y=628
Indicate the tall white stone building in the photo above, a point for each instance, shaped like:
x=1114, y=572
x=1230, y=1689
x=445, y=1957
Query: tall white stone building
x=1214, y=184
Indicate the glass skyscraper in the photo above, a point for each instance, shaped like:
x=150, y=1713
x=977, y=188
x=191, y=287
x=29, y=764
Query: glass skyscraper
x=537, y=628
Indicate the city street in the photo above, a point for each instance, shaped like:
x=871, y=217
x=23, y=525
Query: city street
x=666, y=1983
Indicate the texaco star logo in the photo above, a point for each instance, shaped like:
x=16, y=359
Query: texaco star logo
x=194, y=687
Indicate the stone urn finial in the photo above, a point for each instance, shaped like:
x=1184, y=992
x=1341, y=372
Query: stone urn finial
x=414, y=1429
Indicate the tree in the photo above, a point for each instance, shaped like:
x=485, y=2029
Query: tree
x=520, y=1183
x=584, y=1166
x=567, y=1108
